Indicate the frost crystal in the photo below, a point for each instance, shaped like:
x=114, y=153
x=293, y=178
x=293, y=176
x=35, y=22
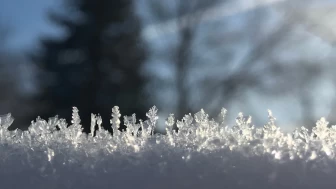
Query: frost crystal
x=99, y=122
x=243, y=128
x=115, y=119
x=75, y=130
x=130, y=123
x=75, y=117
x=270, y=129
x=321, y=130
x=152, y=115
x=201, y=117
x=188, y=119
x=170, y=121
x=93, y=124
x=241, y=120
x=222, y=116
x=203, y=149
x=6, y=120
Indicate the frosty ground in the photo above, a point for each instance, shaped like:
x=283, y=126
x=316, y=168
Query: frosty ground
x=204, y=153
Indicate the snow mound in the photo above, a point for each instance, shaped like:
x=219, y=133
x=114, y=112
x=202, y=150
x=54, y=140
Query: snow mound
x=204, y=153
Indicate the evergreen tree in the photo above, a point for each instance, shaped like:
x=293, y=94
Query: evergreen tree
x=96, y=65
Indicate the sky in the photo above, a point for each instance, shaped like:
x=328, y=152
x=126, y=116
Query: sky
x=222, y=10
x=28, y=21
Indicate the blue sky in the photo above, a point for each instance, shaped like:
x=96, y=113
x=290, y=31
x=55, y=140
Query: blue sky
x=27, y=19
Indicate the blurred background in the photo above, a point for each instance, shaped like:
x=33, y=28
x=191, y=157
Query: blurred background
x=180, y=55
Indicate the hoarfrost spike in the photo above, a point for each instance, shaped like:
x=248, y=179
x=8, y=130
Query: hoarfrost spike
x=93, y=124
x=115, y=121
x=201, y=117
x=99, y=122
x=6, y=120
x=75, y=117
x=170, y=121
x=153, y=117
x=222, y=116
x=271, y=117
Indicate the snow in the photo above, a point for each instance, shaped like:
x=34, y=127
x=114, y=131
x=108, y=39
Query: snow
x=204, y=153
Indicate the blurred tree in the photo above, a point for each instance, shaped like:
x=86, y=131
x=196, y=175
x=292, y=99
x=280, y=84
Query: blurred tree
x=187, y=14
x=220, y=64
x=96, y=65
x=314, y=19
x=261, y=69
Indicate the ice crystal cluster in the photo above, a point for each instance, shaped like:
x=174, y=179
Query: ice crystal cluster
x=203, y=153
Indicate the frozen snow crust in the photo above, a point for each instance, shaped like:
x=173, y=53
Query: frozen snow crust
x=204, y=153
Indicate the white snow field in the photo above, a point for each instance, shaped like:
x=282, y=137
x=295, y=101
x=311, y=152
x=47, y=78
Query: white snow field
x=204, y=153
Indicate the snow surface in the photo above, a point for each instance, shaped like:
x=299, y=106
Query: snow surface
x=204, y=153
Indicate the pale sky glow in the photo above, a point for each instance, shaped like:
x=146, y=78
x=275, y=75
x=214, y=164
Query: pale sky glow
x=153, y=31
x=27, y=21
